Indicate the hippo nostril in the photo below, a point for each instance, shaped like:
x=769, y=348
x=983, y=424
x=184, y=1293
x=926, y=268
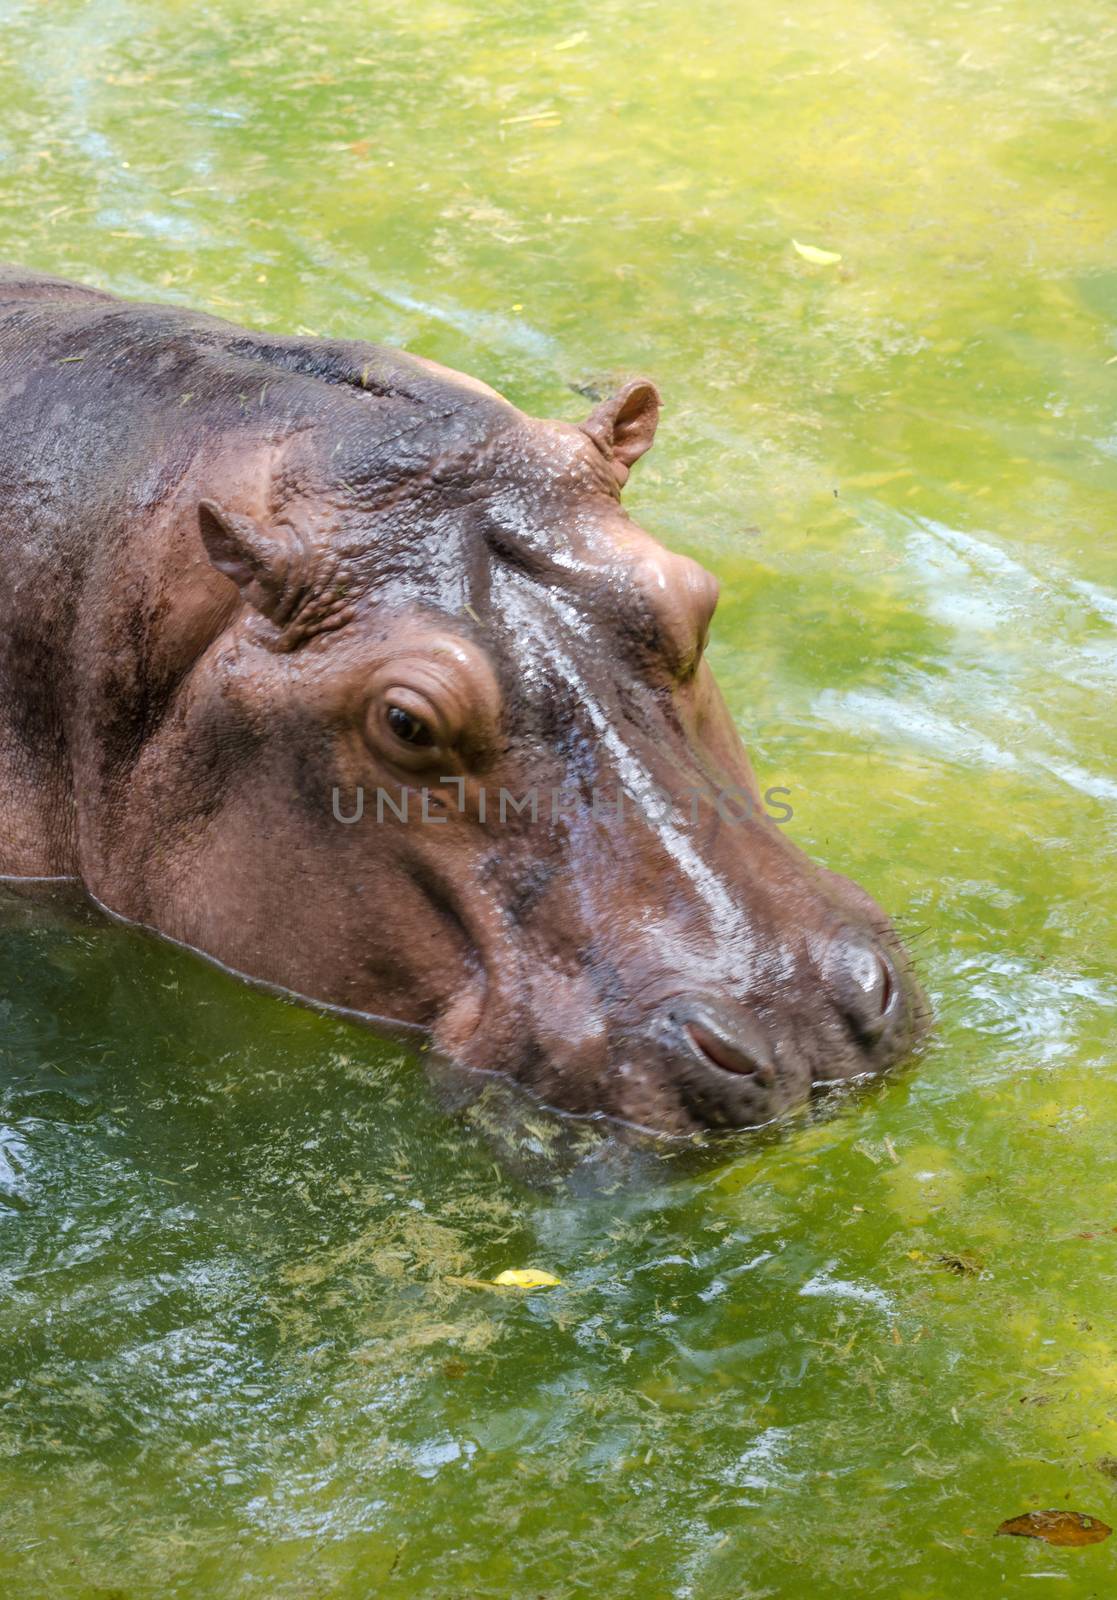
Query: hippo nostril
x=873, y=979
x=862, y=981
x=730, y=1054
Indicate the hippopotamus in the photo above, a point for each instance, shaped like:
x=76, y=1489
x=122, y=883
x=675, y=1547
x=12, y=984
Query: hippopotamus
x=331, y=664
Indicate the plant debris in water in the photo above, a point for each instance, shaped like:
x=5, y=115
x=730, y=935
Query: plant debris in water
x=961, y=1264
x=1057, y=1527
x=817, y=257
x=511, y=1278
x=525, y=1278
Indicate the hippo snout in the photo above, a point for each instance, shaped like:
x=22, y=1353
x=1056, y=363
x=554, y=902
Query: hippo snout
x=731, y=1065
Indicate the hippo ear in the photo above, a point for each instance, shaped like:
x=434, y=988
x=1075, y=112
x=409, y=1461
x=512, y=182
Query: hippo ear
x=259, y=563
x=623, y=426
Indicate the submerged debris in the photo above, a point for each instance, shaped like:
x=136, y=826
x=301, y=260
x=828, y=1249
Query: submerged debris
x=961, y=1264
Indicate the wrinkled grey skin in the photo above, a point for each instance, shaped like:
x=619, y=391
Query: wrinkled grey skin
x=242, y=572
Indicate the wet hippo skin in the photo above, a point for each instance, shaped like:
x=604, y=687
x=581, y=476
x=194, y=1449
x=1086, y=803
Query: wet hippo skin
x=251, y=583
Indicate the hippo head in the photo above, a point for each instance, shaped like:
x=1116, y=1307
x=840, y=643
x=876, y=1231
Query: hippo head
x=455, y=757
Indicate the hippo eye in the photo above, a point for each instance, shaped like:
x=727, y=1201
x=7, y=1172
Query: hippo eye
x=408, y=727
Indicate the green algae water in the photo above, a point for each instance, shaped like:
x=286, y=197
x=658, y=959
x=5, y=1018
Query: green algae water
x=237, y=1354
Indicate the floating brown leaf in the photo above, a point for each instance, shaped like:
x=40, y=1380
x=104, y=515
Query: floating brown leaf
x=1057, y=1527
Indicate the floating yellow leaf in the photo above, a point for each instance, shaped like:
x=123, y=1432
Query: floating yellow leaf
x=817, y=257
x=525, y=1278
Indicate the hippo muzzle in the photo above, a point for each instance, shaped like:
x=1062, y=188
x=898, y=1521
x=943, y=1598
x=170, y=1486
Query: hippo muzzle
x=661, y=1021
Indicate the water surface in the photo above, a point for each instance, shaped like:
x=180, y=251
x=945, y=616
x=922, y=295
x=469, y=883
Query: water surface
x=234, y=1361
